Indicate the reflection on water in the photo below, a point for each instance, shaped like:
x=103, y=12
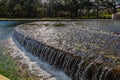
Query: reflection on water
x=7, y=27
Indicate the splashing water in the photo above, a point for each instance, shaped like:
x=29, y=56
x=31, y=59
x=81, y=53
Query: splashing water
x=71, y=64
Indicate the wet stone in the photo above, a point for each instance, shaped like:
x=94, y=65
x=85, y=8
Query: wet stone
x=56, y=50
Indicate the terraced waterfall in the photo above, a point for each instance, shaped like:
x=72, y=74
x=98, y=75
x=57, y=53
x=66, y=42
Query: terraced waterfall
x=84, y=53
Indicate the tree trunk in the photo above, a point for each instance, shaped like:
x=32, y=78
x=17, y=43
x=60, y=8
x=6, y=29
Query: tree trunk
x=114, y=7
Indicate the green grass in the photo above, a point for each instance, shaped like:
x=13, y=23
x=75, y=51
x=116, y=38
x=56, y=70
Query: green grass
x=19, y=19
x=10, y=68
x=103, y=16
x=107, y=16
x=59, y=24
x=56, y=18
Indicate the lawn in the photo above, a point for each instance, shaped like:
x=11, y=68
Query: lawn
x=10, y=68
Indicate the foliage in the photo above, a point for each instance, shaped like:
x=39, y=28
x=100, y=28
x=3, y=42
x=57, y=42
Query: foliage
x=57, y=8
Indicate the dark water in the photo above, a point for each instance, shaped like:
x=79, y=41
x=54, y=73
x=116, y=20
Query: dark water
x=7, y=27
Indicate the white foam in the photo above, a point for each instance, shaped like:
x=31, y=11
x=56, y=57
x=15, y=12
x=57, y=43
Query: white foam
x=36, y=66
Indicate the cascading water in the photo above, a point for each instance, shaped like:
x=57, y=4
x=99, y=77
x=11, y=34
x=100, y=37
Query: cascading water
x=76, y=66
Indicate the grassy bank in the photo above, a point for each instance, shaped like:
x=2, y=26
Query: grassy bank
x=37, y=19
x=10, y=68
x=104, y=16
x=19, y=19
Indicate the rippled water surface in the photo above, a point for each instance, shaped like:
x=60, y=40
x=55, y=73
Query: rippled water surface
x=85, y=37
x=82, y=37
x=95, y=40
x=7, y=27
x=105, y=25
x=90, y=48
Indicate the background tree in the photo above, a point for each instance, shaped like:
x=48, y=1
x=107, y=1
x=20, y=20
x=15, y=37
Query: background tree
x=3, y=8
x=58, y=8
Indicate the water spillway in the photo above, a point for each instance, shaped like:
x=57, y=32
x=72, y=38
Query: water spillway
x=77, y=66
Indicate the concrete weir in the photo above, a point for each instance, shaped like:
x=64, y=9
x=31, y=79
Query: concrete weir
x=76, y=66
x=116, y=16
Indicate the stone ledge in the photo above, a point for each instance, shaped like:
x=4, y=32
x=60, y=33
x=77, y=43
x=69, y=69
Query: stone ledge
x=3, y=77
x=116, y=16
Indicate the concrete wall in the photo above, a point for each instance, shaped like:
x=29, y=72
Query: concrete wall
x=116, y=16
